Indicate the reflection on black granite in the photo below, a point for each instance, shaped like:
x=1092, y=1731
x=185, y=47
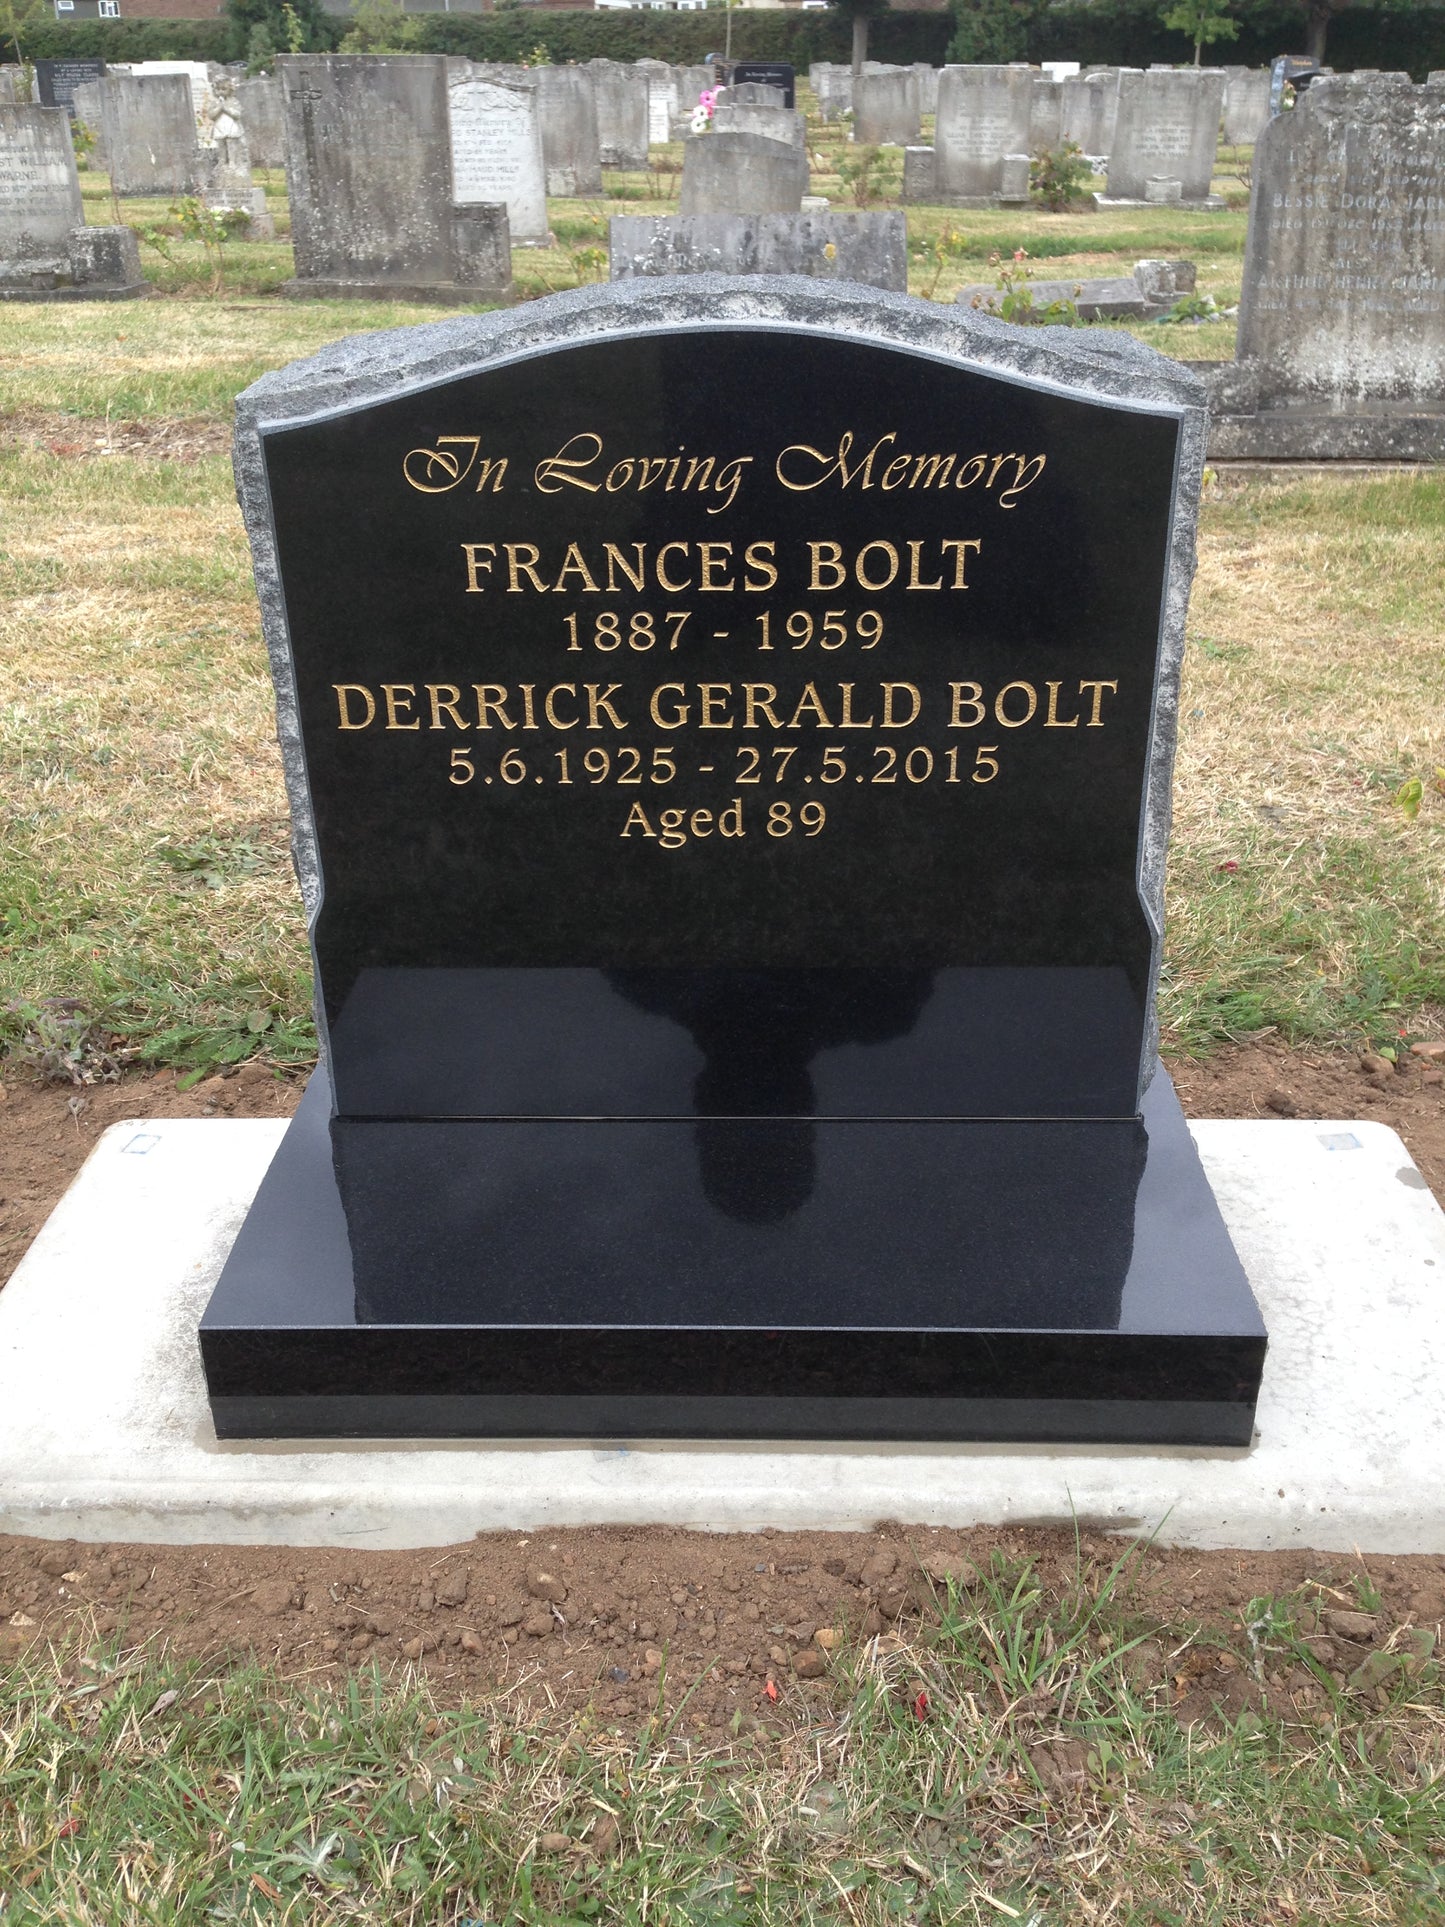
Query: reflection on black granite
x=759, y=1031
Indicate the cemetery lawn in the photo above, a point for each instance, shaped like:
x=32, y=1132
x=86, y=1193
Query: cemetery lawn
x=143, y=858
x=995, y=1726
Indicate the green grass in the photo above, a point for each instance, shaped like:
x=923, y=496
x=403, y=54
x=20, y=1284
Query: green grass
x=1020, y=1758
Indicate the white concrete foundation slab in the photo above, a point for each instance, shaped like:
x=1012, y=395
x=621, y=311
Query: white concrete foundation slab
x=105, y=1433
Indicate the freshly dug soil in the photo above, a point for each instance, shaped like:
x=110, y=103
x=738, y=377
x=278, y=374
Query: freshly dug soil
x=623, y=1618
x=47, y=1130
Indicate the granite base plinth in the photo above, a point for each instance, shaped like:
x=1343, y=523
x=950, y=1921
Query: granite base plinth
x=132, y=291
x=735, y=1278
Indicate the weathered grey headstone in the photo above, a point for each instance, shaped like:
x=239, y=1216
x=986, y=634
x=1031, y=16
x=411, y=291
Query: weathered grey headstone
x=571, y=143
x=1342, y=318
x=496, y=142
x=46, y=251
x=1046, y=116
x=774, y=123
x=150, y=134
x=621, y=93
x=1146, y=294
x=88, y=109
x=263, y=119
x=742, y=174
x=754, y=93
x=983, y=114
x=1013, y=179
x=1167, y=129
x=8, y=95
x=1090, y=110
x=886, y=111
x=832, y=86
x=869, y=247
x=369, y=176
x=1246, y=104
x=920, y=174
x=927, y=86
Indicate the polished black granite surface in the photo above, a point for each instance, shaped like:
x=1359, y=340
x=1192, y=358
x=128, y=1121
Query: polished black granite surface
x=887, y=667
x=751, y=1278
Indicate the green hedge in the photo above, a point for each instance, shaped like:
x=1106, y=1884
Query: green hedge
x=1123, y=32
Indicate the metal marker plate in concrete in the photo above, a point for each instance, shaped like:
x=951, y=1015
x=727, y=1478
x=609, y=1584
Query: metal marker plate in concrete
x=105, y=1432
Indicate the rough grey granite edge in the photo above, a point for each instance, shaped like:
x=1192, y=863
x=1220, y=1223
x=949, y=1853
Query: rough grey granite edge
x=377, y=367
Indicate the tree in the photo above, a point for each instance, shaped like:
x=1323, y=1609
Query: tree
x=860, y=12
x=17, y=17
x=307, y=16
x=990, y=32
x=380, y=27
x=1205, y=21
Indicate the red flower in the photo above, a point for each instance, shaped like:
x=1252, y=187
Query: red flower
x=920, y=1705
x=1229, y=866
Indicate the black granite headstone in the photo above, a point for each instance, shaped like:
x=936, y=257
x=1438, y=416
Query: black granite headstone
x=729, y=744
x=57, y=80
x=765, y=73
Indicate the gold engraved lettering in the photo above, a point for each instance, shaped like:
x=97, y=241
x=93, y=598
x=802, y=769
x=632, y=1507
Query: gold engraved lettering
x=811, y=703
x=832, y=560
x=711, y=562
x=1015, y=722
x=679, y=714
x=1095, y=720
x=444, y=697
x=758, y=700
x=637, y=577
x=620, y=475
x=890, y=721
x=1052, y=720
x=715, y=695
x=865, y=581
x=701, y=823
x=758, y=559
x=397, y=696
x=492, y=701
x=663, y=578
x=562, y=469
x=848, y=720
x=699, y=467
x=730, y=820
x=517, y=567
x=433, y=471
x=574, y=565
x=670, y=833
x=475, y=552
x=832, y=465
x=970, y=693
x=899, y=467
x=549, y=705
x=597, y=704
x=915, y=550
x=529, y=713
x=348, y=689
x=961, y=551
x=932, y=471
x=971, y=471
x=637, y=820
x=1025, y=475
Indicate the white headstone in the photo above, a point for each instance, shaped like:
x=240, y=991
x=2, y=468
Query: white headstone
x=497, y=153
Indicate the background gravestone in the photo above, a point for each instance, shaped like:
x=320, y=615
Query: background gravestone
x=263, y=117
x=1341, y=348
x=496, y=145
x=46, y=251
x=742, y=174
x=621, y=93
x=571, y=142
x=1046, y=116
x=886, y=109
x=1167, y=130
x=57, y=80
x=662, y=101
x=871, y=248
x=983, y=114
x=1246, y=105
x=774, y=123
x=766, y=73
x=150, y=134
x=369, y=178
x=736, y=977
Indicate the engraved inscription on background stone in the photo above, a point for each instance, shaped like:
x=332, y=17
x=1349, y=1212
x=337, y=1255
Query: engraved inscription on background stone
x=1374, y=220
x=981, y=136
x=1164, y=140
